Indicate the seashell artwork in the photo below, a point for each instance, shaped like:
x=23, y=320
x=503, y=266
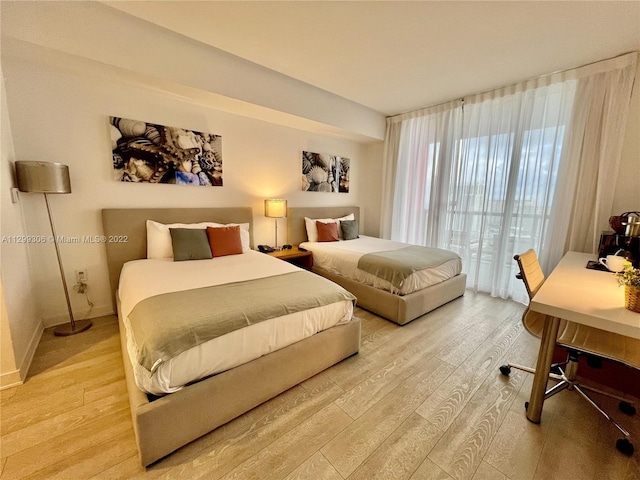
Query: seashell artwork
x=115, y=136
x=325, y=173
x=140, y=169
x=342, y=174
x=306, y=165
x=325, y=187
x=129, y=128
x=152, y=153
x=153, y=134
x=324, y=160
x=318, y=175
x=118, y=162
x=305, y=183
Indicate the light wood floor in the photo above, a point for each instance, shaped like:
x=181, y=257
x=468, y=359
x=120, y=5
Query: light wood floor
x=423, y=401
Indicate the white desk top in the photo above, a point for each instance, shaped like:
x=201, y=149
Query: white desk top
x=590, y=297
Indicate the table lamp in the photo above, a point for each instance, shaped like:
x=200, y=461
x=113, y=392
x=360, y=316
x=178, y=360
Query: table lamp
x=275, y=208
x=45, y=177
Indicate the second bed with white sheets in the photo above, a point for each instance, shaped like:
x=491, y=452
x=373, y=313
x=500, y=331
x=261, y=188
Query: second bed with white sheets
x=417, y=287
x=343, y=257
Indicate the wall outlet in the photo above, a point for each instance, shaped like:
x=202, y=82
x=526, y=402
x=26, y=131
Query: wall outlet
x=81, y=276
x=15, y=197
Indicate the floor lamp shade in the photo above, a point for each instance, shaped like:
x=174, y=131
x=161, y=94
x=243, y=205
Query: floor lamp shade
x=275, y=208
x=43, y=177
x=47, y=178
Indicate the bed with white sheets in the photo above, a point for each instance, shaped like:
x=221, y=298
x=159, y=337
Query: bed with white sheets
x=426, y=286
x=179, y=394
x=144, y=279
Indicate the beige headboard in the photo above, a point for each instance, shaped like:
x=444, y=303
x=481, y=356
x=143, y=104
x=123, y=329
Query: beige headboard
x=130, y=224
x=297, y=232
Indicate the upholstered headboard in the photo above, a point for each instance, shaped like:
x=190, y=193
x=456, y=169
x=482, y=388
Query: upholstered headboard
x=126, y=227
x=297, y=232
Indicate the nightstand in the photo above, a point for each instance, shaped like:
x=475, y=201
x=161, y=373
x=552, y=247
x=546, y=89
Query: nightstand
x=295, y=256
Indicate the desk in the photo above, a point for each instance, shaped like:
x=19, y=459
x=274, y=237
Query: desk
x=589, y=297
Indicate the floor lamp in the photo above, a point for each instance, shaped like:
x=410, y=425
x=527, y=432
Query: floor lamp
x=275, y=208
x=45, y=177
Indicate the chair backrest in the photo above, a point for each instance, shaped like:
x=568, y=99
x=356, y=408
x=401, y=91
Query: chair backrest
x=533, y=278
x=530, y=271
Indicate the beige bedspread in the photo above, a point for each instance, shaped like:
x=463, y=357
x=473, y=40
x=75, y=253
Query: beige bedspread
x=166, y=325
x=396, y=266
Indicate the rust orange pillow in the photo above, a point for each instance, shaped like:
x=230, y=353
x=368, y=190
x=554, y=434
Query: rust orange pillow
x=327, y=232
x=224, y=240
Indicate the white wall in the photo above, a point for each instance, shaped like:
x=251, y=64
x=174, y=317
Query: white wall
x=61, y=115
x=20, y=326
x=160, y=57
x=67, y=66
x=9, y=373
x=370, y=177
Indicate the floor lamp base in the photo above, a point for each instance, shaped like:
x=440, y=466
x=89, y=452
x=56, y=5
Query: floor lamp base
x=66, y=330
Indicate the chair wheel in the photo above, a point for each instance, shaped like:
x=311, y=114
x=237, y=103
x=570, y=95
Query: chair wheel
x=627, y=408
x=505, y=370
x=624, y=446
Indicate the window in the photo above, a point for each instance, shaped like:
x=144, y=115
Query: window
x=486, y=189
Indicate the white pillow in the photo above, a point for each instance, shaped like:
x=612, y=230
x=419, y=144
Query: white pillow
x=159, y=238
x=312, y=229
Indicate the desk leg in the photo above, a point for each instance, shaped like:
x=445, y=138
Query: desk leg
x=545, y=354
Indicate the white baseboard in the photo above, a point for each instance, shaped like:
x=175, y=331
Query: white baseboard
x=99, y=311
x=10, y=379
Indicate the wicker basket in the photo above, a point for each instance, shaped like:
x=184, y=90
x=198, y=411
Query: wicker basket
x=632, y=298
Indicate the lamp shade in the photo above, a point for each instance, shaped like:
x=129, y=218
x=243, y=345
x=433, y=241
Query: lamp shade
x=43, y=177
x=275, y=208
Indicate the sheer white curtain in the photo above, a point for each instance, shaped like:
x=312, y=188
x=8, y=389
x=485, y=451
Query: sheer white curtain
x=505, y=178
x=593, y=155
x=418, y=152
x=412, y=154
x=514, y=168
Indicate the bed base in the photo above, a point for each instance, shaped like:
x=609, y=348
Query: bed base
x=172, y=421
x=400, y=309
x=168, y=423
x=397, y=308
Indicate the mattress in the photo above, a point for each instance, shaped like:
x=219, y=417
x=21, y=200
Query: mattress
x=342, y=258
x=142, y=279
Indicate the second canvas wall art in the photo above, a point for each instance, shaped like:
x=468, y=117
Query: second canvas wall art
x=325, y=173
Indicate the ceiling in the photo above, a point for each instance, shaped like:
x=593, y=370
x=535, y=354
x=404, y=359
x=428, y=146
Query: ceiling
x=396, y=56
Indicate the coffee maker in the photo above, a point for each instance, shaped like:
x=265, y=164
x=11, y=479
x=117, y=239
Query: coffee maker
x=624, y=239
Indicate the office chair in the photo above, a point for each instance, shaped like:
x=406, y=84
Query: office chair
x=578, y=340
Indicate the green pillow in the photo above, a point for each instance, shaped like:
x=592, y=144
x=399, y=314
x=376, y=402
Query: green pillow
x=190, y=244
x=349, y=229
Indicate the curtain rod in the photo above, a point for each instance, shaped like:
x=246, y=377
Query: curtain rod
x=461, y=99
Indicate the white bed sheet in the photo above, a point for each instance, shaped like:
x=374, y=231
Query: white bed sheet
x=141, y=279
x=342, y=258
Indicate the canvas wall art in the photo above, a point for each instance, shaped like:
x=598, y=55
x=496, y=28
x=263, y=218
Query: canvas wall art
x=325, y=173
x=150, y=153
